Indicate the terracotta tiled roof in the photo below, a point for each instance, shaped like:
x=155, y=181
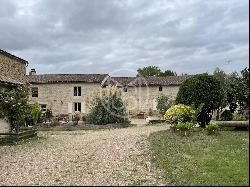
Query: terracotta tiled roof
x=13, y=56
x=65, y=78
x=143, y=81
x=8, y=81
x=166, y=81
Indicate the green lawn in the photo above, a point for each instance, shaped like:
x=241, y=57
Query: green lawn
x=201, y=159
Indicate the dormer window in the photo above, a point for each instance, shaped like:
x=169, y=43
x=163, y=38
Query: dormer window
x=160, y=88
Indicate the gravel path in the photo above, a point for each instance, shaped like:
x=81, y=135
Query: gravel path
x=106, y=157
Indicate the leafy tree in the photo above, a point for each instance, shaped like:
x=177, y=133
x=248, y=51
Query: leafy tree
x=149, y=71
x=14, y=106
x=238, y=91
x=222, y=77
x=154, y=71
x=167, y=73
x=201, y=89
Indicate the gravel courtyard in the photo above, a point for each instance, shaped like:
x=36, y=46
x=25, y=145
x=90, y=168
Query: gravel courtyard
x=103, y=157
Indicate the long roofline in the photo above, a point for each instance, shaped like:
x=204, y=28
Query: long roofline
x=13, y=57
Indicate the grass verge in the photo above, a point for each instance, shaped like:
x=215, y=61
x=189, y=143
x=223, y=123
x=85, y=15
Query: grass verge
x=199, y=159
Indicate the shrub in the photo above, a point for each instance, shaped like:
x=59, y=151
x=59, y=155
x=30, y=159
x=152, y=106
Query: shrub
x=212, y=128
x=47, y=116
x=54, y=123
x=239, y=117
x=201, y=89
x=33, y=114
x=226, y=115
x=183, y=127
x=76, y=118
x=107, y=107
x=163, y=104
x=180, y=113
x=83, y=118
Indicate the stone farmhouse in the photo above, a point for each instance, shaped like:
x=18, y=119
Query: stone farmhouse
x=65, y=94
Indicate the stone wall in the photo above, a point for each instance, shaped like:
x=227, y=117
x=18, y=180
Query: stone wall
x=12, y=68
x=60, y=97
x=143, y=99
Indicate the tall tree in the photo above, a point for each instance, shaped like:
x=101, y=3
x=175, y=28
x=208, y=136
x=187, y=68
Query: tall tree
x=222, y=77
x=167, y=73
x=154, y=71
x=149, y=71
x=201, y=90
x=238, y=91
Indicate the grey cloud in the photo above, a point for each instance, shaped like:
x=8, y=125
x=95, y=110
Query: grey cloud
x=82, y=36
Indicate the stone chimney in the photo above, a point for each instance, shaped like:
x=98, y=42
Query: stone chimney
x=32, y=72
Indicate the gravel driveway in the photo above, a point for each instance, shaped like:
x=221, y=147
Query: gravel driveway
x=104, y=157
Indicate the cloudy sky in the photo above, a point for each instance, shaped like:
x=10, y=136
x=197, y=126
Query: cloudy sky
x=119, y=36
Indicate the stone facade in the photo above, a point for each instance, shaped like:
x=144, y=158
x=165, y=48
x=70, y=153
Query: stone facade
x=60, y=99
x=143, y=99
x=12, y=68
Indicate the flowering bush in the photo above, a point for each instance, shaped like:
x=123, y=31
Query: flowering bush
x=14, y=106
x=180, y=113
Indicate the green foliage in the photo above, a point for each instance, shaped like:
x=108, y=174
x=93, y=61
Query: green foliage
x=183, y=127
x=76, y=118
x=212, y=128
x=36, y=112
x=167, y=73
x=163, y=104
x=54, y=123
x=14, y=106
x=239, y=117
x=222, y=77
x=47, y=116
x=226, y=115
x=107, y=107
x=33, y=114
x=154, y=71
x=202, y=160
x=180, y=113
x=149, y=71
x=201, y=89
x=238, y=91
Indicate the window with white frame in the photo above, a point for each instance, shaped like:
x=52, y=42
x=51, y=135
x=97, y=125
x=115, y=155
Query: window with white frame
x=77, y=107
x=77, y=91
